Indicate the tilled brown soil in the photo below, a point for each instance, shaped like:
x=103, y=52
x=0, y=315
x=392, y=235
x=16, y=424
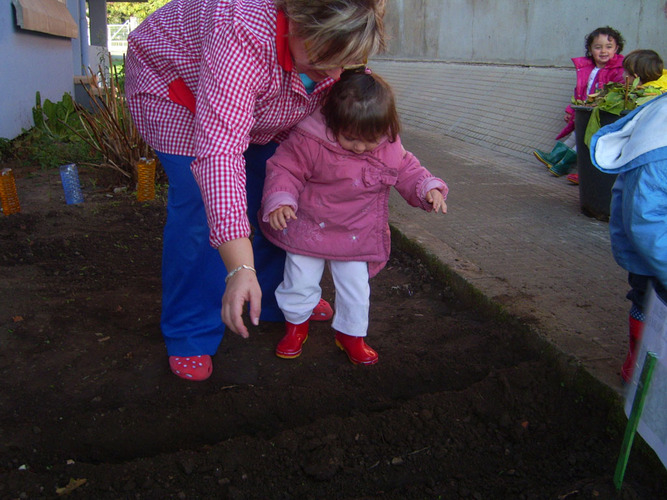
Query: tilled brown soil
x=461, y=405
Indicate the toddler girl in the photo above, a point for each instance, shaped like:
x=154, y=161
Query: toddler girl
x=326, y=200
x=603, y=63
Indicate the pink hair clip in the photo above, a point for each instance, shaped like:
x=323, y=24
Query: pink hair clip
x=367, y=70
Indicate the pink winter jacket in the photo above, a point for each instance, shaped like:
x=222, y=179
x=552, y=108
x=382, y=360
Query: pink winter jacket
x=341, y=199
x=612, y=72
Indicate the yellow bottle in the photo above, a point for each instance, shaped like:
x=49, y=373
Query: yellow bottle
x=146, y=179
x=8, y=194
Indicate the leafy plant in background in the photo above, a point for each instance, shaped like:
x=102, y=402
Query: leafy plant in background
x=37, y=148
x=59, y=120
x=5, y=148
x=119, y=12
x=615, y=98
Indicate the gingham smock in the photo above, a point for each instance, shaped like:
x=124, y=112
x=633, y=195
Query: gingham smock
x=226, y=52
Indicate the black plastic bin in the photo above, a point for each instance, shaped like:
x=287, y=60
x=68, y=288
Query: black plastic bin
x=594, y=186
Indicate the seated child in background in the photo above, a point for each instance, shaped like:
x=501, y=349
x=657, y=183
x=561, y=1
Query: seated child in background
x=635, y=148
x=326, y=199
x=646, y=65
x=601, y=64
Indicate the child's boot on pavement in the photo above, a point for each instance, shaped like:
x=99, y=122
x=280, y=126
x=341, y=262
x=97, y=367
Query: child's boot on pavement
x=356, y=349
x=635, y=336
x=290, y=345
x=568, y=161
x=550, y=159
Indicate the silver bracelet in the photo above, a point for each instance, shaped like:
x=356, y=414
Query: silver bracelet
x=234, y=271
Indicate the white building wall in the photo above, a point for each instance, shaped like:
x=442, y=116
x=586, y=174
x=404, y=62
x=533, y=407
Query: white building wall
x=30, y=62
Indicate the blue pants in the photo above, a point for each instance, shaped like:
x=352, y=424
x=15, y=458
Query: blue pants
x=193, y=274
x=637, y=295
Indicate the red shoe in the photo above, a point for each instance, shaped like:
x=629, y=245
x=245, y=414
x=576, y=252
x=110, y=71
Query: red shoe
x=573, y=178
x=356, y=349
x=191, y=367
x=290, y=345
x=322, y=311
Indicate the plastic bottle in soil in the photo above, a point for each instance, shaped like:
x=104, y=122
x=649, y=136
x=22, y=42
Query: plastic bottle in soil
x=8, y=193
x=69, y=175
x=146, y=179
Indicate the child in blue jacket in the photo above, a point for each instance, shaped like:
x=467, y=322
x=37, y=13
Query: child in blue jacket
x=635, y=148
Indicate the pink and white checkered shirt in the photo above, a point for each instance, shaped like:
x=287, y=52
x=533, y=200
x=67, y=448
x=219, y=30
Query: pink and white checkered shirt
x=226, y=54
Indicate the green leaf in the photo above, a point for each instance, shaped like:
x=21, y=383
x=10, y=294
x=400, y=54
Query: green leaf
x=37, y=112
x=68, y=103
x=593, y=126
x=644, y=100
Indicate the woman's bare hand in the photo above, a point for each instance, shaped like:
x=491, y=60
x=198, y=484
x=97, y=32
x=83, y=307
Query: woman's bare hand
x=241, y=288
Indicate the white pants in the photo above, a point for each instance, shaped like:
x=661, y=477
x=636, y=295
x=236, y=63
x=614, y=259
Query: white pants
x=570, y=140
x=300, y=292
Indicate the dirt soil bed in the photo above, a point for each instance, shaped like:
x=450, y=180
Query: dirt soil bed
x=459, y=406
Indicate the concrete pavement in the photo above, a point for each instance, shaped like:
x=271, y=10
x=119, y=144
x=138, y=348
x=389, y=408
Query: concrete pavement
x=516, y=234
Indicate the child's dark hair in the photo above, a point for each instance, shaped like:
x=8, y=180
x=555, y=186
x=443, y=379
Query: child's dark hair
x=361, y=104
x=610, y=32
x=645, y=63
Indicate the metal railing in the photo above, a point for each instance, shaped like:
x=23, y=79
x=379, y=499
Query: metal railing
x=117, y=37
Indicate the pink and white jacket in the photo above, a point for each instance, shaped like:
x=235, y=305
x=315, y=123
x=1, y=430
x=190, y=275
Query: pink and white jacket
x=341, y=199
x=612, y=72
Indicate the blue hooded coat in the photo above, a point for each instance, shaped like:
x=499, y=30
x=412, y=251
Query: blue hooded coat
x=635, y=147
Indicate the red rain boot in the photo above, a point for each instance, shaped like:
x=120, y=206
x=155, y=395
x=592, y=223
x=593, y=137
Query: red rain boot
x=290, y=345
x=636, y=328
x=356, y=349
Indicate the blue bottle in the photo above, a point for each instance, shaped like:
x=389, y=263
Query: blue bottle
x=69, y=175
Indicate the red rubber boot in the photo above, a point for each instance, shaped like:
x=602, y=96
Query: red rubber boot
x=635, y=336
x=356, y=349
x=290, y=345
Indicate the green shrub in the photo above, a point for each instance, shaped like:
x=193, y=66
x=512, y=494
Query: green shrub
x=59, y=120
x=37, y=148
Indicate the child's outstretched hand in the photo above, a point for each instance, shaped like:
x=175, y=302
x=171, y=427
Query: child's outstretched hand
x=279, y=217
x=435, y=198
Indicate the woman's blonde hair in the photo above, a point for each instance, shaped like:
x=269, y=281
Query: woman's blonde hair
x=337, y=32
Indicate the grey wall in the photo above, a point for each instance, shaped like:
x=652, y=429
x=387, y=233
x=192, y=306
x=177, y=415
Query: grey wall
x=537, y=32
x=499, y=72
